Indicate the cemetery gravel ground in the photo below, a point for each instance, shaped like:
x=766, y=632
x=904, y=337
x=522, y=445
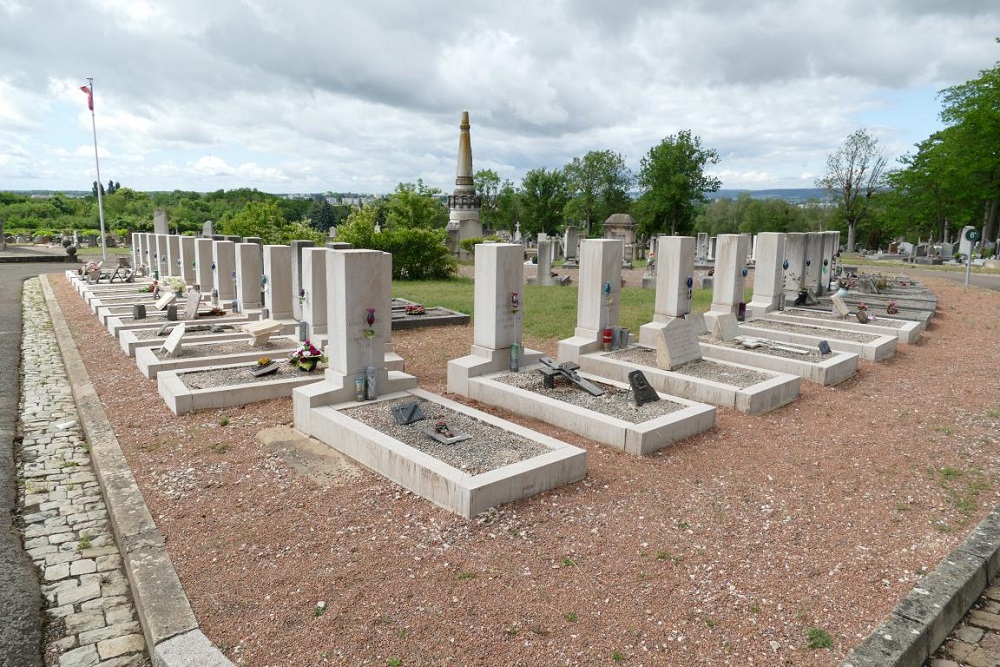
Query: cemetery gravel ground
x=723, y=549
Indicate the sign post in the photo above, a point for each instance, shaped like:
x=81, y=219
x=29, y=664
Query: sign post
x=971, y=235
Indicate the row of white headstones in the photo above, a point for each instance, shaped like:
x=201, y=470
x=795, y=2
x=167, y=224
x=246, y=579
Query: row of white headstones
x=338, y=290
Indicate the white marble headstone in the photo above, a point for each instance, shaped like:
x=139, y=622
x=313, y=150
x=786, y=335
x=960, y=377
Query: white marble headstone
x=191, y=304
x=839, y=307
x=725, y=327
x=172, y=345
x=165, y=301
x=676, y=344
x=261, y=331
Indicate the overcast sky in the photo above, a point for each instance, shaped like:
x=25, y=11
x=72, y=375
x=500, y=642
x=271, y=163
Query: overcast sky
x=312, y=95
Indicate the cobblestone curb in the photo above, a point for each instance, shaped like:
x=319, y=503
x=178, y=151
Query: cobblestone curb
x=922, y=621
x=168, y=623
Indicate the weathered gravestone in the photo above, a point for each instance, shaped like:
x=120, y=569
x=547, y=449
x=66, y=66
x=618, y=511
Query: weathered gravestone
x=676, y=344
x=172, y=345
x=191, y=303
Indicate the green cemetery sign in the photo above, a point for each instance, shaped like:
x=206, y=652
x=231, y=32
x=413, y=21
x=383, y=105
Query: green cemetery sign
x=972, y=234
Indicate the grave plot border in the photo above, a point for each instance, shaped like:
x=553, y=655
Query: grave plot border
x=908, y=334
x=632, y=438
x=756, y=399
x=834, y=369
x=181, y=399
x=881, y=348
x=446, y=486
x=151, y=365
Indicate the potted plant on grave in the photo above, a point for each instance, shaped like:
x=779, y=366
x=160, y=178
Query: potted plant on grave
x=306, y=356
x=151, y=287
x=176, y=284
x=862, y=313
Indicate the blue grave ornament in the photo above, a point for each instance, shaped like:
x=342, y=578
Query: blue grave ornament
x=784, y=265
x=808, y=261
x=745, y=272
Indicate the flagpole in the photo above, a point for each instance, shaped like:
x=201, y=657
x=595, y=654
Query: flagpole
x=97, y=164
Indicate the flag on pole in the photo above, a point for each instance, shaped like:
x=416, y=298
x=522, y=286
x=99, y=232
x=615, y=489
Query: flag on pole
x=90, y=96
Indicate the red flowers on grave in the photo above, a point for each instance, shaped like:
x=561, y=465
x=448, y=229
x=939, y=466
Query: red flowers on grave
x=891, y=308
x=415, y=309
x=306, y=356
x=370, y=319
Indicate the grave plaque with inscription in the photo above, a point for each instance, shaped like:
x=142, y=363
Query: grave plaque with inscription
x=407, y=413
x=676, y=344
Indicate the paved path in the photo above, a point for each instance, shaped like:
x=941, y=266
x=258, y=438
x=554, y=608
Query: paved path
x=20, y=596
x=91, y=618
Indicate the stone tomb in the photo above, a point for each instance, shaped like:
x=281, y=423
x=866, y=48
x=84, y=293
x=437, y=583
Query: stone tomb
x=321, y=409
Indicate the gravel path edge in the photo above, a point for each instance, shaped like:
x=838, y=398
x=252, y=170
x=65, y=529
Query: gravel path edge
x=173, y=637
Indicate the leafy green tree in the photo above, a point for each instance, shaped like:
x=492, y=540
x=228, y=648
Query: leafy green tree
x=599, y=184
x=972, y=113
x=322, y=216
x=543, y=197
x=854, y=173
x=417, y=253
x=416, y=206
x=359, y=228
x=673, y=180
x=487, y=184
x=265, y=219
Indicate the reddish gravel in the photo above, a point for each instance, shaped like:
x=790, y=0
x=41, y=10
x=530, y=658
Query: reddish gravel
x=724, y=549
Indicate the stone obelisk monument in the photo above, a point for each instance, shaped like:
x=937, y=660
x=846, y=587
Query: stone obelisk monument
x=464, y=203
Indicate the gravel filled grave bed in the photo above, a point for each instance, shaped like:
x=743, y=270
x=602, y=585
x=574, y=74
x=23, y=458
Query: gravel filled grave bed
x=839, y=334
x=615, y=402
x=703, y=368
x=882, y=321
x=281, y=349
x=234, y=375
x=812, y=355
x=489, y=447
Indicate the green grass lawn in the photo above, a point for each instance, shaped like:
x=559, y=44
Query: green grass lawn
x=549, y=312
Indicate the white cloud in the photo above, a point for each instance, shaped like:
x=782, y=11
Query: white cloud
x=313, y=96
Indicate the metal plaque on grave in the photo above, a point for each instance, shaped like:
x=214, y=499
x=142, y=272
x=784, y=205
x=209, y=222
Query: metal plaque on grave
x=407, y=413
x=641, y=389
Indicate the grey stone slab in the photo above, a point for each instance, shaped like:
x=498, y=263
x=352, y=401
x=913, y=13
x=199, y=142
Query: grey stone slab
x=895, y=642
x=191, y=649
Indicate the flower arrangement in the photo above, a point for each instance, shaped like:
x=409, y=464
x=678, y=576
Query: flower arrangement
x=891, y=308
x=442, y=427
x=216, y=311
x=370, y=320
x=862, y=313
x=306, y=356
x=263, y=361
x=415, y=309
x=151, y=287
x=176, y=284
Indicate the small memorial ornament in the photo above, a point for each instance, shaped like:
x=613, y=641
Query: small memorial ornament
x=891, y=308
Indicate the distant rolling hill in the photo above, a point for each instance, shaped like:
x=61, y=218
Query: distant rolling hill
x=794, y=195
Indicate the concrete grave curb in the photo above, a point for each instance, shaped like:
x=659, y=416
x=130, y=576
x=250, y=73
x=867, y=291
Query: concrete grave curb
x=173, y=638
x=923, y=619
